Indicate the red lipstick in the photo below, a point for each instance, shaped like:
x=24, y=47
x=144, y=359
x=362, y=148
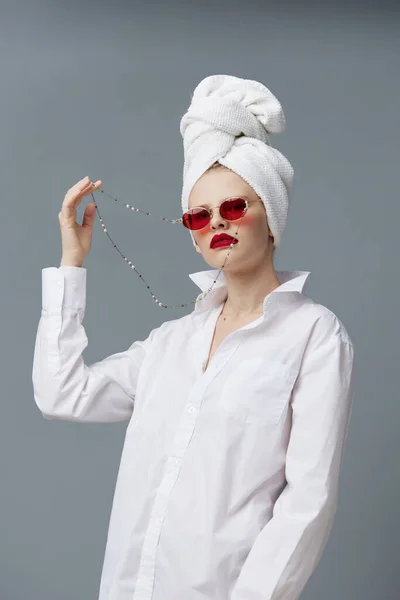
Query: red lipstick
x=222, y=239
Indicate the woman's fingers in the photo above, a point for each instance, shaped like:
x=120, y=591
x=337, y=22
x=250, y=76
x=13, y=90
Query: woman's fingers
x=78, y=191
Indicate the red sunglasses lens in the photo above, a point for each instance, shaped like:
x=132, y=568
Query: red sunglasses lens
x=196, y=218
x=231, y=210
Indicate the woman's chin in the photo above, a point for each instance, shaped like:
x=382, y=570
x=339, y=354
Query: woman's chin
x=217, y=259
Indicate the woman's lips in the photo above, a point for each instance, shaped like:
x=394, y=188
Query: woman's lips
x=222, y=243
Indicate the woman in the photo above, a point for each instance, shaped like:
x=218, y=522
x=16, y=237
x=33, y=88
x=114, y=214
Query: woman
x=237, y=412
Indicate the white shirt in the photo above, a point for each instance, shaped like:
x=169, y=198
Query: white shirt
x=228, y=481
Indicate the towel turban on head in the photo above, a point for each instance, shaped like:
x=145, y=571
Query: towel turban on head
x=228, y=121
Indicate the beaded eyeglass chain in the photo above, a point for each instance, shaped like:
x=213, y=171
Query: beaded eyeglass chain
x=133, y=267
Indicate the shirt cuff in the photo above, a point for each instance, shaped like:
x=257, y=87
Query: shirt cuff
x=63, y=287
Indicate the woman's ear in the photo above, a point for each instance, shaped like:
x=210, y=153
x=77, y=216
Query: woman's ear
x=197, y=248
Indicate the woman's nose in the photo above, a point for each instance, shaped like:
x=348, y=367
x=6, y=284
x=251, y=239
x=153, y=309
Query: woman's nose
x=216, y=220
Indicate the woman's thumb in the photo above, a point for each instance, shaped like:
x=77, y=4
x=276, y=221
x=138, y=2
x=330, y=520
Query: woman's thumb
x=89, y=215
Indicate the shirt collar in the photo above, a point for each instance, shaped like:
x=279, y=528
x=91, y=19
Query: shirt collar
x=290, y=282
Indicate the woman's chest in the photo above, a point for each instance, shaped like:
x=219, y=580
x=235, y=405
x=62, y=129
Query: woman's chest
x=241, y=375
x=221, y=332
x=247, y=385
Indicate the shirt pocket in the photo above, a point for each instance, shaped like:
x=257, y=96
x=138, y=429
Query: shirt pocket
x=256, y=391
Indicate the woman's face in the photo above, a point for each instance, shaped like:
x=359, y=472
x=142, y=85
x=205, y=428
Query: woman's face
x=255, y=238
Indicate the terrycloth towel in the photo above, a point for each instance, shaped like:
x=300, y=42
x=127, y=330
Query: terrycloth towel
x=229, y=120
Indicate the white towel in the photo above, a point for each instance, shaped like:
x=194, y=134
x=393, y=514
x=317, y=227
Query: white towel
x=228, y=121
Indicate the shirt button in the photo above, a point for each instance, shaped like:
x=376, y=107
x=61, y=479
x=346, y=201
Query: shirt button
x=191, y=409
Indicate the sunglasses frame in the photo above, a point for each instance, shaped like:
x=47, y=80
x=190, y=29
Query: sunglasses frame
x=210, y=211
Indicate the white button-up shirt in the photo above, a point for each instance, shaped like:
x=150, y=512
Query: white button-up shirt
x=228, y=481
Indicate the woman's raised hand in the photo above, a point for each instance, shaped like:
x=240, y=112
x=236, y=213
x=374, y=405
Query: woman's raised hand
x=77, y=239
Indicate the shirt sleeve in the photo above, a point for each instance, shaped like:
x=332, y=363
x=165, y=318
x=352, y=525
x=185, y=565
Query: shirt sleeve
x=289, y=547
x=64, y=386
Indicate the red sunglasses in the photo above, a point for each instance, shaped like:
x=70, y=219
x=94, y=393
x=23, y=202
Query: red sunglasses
x=230, y=210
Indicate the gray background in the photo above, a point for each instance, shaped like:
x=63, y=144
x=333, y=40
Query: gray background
x=99, y=90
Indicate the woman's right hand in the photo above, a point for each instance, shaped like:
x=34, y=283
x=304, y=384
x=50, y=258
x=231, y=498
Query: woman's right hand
x=77, y=239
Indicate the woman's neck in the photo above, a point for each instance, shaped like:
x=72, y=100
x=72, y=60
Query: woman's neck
x=246, y=296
